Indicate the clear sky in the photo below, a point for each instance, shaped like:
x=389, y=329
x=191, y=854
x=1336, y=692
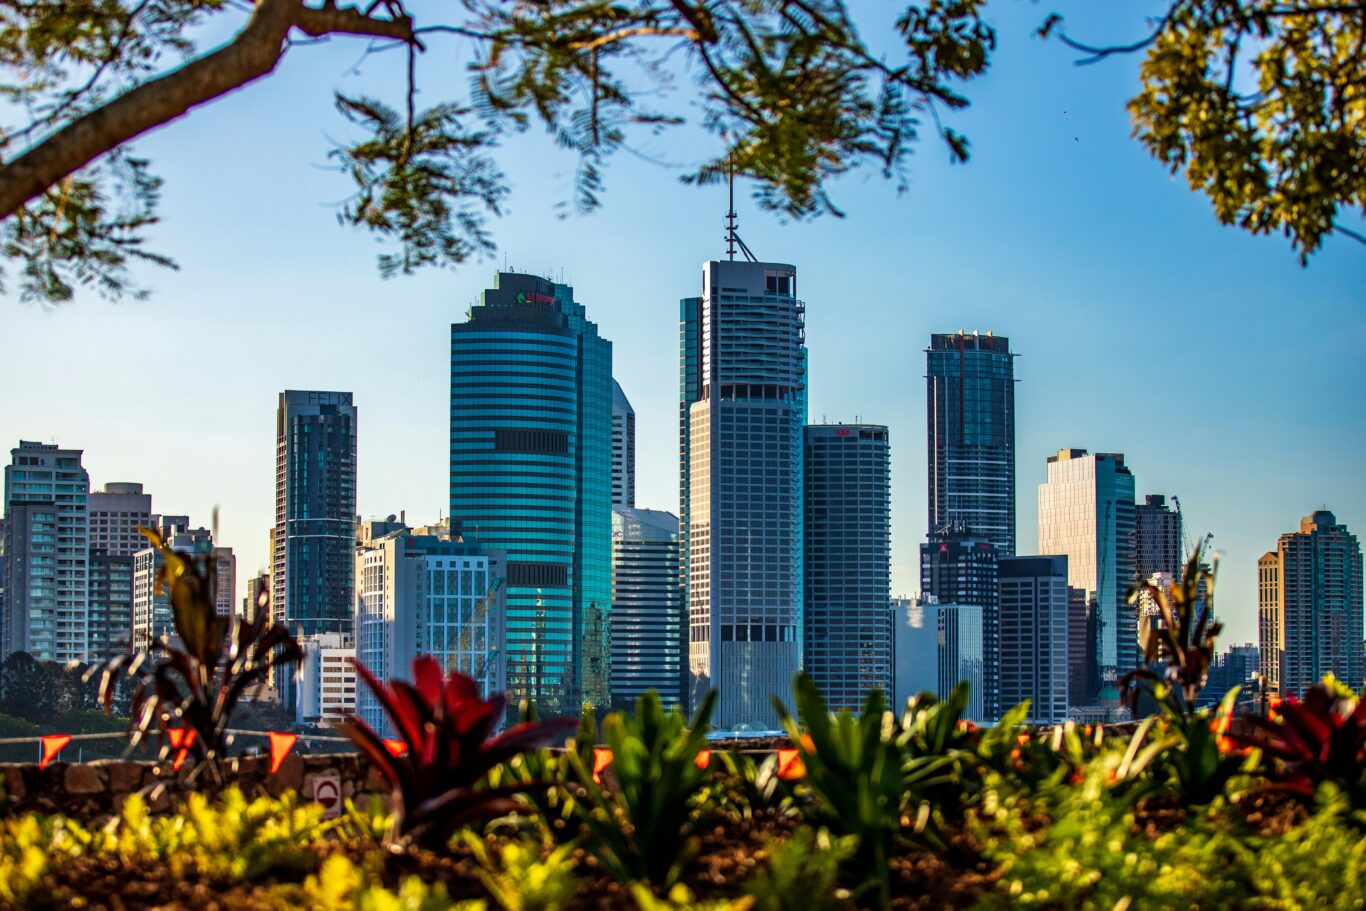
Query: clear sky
x=1226, y=373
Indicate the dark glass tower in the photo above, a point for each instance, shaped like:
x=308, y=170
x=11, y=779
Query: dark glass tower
x=647, y=607
x=970, y=410
x=313, y=570
x=1157, y=538
x=962, y=569
x=848, y=622
x=742, y=405
x=531, y=475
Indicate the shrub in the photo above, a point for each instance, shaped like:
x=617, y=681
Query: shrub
x=342, y=886
x=519, y=878
x=803, y=872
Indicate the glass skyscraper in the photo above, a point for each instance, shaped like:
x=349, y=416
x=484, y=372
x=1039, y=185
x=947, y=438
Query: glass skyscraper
x=647, y=607
x=848, y=623
x=742, y=406
x=531, y=475
x=961, y=569
x=1086, y=513
x=970, y=410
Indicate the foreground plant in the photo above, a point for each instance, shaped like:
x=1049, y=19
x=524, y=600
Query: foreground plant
x=1181, y=636
x=188, y=682
x=446, y=727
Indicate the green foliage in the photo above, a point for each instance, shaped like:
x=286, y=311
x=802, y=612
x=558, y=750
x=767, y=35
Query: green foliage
x=1198, y=758
x=342, y=886
x=680, y=898
x=642, y=826
x=803, y=871
x=744, y=788
x=1181, y=636
x=1320, y=864
x=30, y=845
x=520, y=878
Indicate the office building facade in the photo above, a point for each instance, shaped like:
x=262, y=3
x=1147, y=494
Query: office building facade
x=1319, y=605
x=531, y=475
x=1270, y=618
x=959, y=568
x=962, y=658
x=152, y=617
x=848, y=627
x=47, y=553
x=970, y=412
x=1034, y=624
x=110, y=602
x=647, y=607
x=1086, y=513
x=312, y=569
x=1157, y=538
x=742, y=407
x=327, y=684
x=623, y=449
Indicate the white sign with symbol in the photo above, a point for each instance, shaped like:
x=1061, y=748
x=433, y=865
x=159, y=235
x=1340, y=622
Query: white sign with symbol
x=327, y=791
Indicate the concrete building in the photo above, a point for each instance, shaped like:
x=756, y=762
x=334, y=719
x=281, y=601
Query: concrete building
x=531, y=475
x=1270, y=618
x=647, y=607
x=152, y=616
x=959, y=568
x=47, y=553
x=312, y=581
x=1034, y=618
x=1313, y=604
x=1157, y=538
x=423, y=595
x=623, y=449
x=116, y=513
x=257, y=587
x=970, y=411
x=225, y=581
x=110, y=605
x=848, y=628
x=1086, y=513
x=742, y=406
x=327, y=684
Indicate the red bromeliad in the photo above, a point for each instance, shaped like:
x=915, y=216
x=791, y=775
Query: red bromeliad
x=445, y=727
x=1317, y=739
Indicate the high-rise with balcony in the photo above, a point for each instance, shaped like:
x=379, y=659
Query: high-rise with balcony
x=742, y=406
x=47, y=553
x=531, y=475
x=623, y=449
x=1310, y=594
x=970, y=412
x=647, y=607
x=1157, y=538
x=847, y=620
x=313, y=570
x=1086, y=513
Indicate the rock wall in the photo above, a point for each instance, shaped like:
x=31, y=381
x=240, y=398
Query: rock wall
x=92, y=790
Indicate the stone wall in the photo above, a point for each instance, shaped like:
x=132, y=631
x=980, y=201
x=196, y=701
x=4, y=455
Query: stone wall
x=91, y=790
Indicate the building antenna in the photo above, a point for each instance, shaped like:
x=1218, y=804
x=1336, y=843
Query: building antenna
x=732, y=235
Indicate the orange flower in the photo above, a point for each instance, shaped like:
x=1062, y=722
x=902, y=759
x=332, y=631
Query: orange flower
x=1022, y=739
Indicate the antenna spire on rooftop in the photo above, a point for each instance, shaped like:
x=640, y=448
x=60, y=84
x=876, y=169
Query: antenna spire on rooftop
x=732, y=235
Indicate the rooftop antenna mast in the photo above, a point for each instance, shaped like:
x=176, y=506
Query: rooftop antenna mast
x=732, y=236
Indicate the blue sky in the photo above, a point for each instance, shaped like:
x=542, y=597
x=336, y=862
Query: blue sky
x=1227, y=374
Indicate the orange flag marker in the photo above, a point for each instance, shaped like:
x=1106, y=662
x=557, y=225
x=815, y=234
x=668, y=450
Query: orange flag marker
x=181, y=741
x=396, y=748
x=280, y=745
x=790, y=765
x=703, y=758
x=52, y=745
x=602, y=758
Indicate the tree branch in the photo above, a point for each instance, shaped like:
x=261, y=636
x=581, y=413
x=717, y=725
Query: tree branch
x=254, y=53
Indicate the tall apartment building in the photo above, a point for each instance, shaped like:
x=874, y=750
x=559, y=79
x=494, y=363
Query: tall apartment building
x=970, y=410
x=116, y=513
x=426, y=595
x=1034, y=617
x=742, y=406
x=531, y=475
x=225, y=582
x=47, y=553
x=1157, y=538
x=1312, y=603
x=847, y=624
x=647, y=607
x=1086, y=513
x=312, y=565
x=958, y=568
x=110, y=602
x=623, y=449
x=1270, y=618
x=152, y=616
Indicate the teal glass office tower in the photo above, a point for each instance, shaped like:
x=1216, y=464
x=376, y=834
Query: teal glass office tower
x=531, y=475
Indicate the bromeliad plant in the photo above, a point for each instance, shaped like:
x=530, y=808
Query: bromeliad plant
x=1308, y=742
x=192, y=682
x=438, y=782
x=1181, y=635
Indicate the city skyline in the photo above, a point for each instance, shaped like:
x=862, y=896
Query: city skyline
x=1113, y=351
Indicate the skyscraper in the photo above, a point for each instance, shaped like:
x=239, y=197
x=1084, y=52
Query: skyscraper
x=647, y=607
x=1157, y=538
x=742, y=405
x=531, y=475
x=1270, y=618
x=970, y=409
x=1320, y=604
x=47, y=553
x=116, y=513
x=312, y=574
x=225, y=581
x=623, y=449
x=1086, y=513
x=1034, y=636
x=848, y=627
x=961, y=569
